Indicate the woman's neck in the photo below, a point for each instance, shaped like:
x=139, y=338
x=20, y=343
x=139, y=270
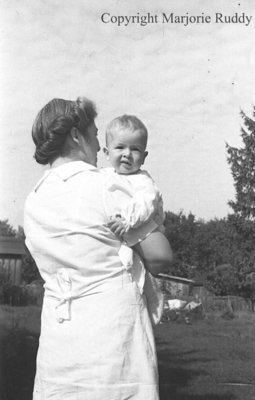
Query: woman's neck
x=63, y=160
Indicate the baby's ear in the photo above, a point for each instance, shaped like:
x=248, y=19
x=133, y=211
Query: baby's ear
x=106, y=151
x=145, y=155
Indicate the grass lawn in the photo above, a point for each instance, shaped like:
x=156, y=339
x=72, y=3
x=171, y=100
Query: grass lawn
x=19, y=332
x=209, y=359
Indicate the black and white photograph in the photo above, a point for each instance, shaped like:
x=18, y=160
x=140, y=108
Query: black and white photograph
x=127, y=207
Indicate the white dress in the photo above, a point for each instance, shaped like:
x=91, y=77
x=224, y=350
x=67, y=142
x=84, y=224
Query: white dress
x=96, y=338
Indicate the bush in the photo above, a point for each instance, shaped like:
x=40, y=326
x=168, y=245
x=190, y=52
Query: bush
x=22, y=295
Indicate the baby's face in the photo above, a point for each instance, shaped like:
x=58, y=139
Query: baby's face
x=126, y=151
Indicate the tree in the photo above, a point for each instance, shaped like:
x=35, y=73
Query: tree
x=242, y=164
x=223, y=280
x=29, y=269
x=218, y=252
x=6, y=229
x=181, y=231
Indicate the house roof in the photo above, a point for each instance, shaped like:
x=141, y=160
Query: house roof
x=173, y=278
x=11, y=246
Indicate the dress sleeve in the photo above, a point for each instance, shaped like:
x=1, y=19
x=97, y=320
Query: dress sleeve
x=146, y=202
x=136, y=235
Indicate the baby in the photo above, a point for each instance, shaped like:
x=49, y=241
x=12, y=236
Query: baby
x=126, y=141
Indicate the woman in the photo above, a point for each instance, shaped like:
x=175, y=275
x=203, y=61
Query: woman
x=96, y=337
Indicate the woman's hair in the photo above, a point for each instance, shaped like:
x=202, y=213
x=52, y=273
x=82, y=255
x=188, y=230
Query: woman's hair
x=55, y=121
x=128, y=122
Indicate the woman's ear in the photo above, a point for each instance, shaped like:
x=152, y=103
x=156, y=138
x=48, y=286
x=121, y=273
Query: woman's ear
x=75, y=135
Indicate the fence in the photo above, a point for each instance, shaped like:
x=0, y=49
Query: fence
x=234, y=303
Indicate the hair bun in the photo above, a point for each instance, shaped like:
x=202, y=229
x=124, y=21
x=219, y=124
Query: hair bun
x=55, y=121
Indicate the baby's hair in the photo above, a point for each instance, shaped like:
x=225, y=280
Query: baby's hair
x=126, y=122
x=55, y=121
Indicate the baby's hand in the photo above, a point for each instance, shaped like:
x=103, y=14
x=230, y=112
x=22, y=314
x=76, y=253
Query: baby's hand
x=117, y=226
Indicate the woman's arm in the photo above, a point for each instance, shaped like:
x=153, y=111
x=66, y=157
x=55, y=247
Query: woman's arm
x=156, y=252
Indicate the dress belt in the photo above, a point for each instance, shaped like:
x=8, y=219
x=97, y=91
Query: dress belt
x=63, y=307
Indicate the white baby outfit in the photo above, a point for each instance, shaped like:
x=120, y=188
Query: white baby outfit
x=145, y=198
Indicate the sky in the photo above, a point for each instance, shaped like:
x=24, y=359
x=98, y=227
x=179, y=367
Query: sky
x=186, y=83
